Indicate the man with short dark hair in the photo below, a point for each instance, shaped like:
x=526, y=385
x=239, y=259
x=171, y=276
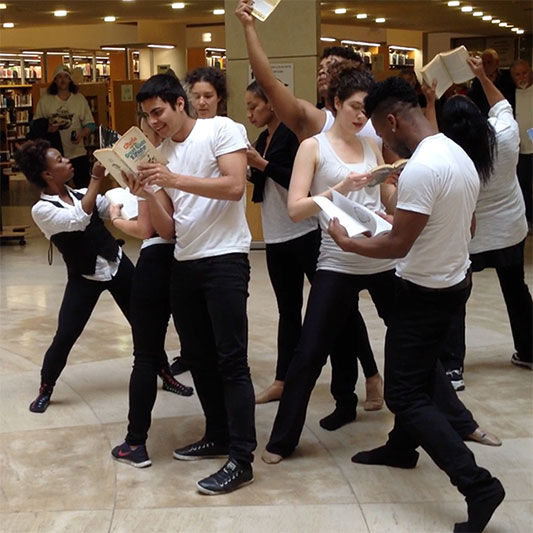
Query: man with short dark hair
x=201, y=191
x=437, y=193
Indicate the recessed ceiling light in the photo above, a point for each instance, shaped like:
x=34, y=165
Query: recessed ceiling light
x=514, y=29
x=8, y=24
x=520, y=32
x=340, y=11
x=379, y=20
x=495, y=21
x=487, y=17
x=118, y=48
x=207, y=37
x=178, y=5
x=502, y=24
x=454, y=3
x=328, y=39
x=3, y=6
x=110, y=19
x=477, y=13
x=467, y=9
x=167, y=46
x=218, y=11
x=362, y=15
x=60, y=13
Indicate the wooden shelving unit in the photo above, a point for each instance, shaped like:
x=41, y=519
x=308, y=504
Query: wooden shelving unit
x=17, y=111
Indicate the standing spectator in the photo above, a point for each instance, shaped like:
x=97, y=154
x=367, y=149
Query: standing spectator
x=67, y=112
x=523, y=80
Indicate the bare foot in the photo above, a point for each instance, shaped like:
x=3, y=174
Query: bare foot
x=374, y=393
x=271, y=458
x=271, y=393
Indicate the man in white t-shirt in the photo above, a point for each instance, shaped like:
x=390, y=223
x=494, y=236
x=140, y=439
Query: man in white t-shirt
x=437, y=193
x=201, y=205
x=523, y=80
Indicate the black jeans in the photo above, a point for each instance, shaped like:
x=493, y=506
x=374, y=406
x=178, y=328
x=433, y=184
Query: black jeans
x=413, y=343
x=77, y=306
x=519, y=309
x=150, y=314
x=208, y=301
x=524, y=171
x=287, y=264
x=327, y=327
x=82, y=171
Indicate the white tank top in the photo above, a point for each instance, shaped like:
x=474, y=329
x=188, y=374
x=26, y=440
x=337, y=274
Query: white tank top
x=330, y=171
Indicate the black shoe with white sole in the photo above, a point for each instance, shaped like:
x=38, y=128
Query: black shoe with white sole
x=520, y=362
x=456, y=379
x=232, y=476
x=137, y=457
x=203, y=449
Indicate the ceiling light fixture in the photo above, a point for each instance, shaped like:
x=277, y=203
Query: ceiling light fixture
x=495, y=21
x=178, y=5
x=360, y=43
x=340, y=11
x=477, y=13
x=110, y=19
x=502, y=24
x=216, y=50
x=8, y=24
x=394, y=47
x=487, y=17
x=116, y=48
x=60, y=13
x=166, y=46
x=328, y=39
x=32, y=53
x=467, y=9
x=3, y=6
x=380, y=20
x=514, y=29
x=218, y=11
x=454, y=3
x=361, y=15
x=520, y=32
x=207, y=37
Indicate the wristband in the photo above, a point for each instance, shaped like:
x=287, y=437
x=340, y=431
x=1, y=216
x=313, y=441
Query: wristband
x=95, y=177
x=113, y=219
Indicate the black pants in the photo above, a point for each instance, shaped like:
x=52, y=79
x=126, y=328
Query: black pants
x=208, y=301
x=82, y=171
x=150, y=314
x=413, y=343
x=288, y=263
x=77, y=306
x=327, y=327
x=519, y=309
x=524, y=171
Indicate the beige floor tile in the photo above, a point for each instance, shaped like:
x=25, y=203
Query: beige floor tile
x=93, y=521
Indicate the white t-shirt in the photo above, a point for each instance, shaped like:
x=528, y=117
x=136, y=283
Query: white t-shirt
x=441, y=181
x=524, y=117
x=330, y=171
x=500, y=210
x=206, y=227
x=71, y=114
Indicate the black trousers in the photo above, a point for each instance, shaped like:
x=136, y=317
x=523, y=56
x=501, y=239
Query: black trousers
x=82, y=171
x=288, y=262
x=327, y=328
x=79, y=300
x=208, y=301
x=150, y=314
x=524, y=171
x=413, y=343
x=519, y=309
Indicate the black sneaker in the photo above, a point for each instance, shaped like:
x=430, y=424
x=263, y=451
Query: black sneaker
x=520, y=362
x=202, y=449
x=137, y=457
x=456, y=379
x=230, y=477
x=171, y=384
x=40, y=403
x=178, y=366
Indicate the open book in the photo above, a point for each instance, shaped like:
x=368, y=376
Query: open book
x=130, y=150
x=380, y=173
x=356, y=218
x=263, y=8
x=447, y=68
x=130, y=206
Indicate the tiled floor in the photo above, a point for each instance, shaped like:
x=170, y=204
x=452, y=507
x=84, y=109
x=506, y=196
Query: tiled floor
x=58, y=475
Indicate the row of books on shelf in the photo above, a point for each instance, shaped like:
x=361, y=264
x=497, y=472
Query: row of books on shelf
x=17, y=116
x=19, y=131
x=16, y=100
x=216, y=62
x=15, y=72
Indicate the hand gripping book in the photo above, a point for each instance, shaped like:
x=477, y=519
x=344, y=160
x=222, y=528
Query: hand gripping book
x=356, y=218
x=261, y=9
x=447, y=68
x=120, y=196
x=380, y=173
x=129, y=151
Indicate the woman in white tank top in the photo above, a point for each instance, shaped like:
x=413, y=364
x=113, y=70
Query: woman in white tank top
x=337, y=159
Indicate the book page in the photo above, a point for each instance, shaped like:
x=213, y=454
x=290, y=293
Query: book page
x=380, y=173
x=263, y=8
x=130, y=205
x=435, y=70
x=332, y=211
x=455, y=62
x=113, y=164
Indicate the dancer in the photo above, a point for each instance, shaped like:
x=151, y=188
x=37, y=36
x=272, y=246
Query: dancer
x=501, y=226
x=71, y=220
x=205, y=182
x=208, y=91
x=291, y=248
x=437, y=194
x=305, y=120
